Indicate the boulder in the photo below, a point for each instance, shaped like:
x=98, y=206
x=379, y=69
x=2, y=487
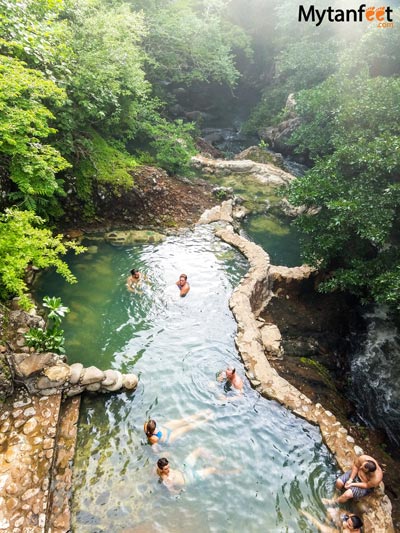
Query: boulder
x=25, y=366
x=91, y=375
x=76, y=372
x=59, y=373
x=129, y=381
x=122, y=238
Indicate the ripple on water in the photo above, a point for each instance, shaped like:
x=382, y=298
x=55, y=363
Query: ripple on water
x=272, y=463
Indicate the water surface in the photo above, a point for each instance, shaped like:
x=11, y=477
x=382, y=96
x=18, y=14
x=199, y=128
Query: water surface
x=274, y=463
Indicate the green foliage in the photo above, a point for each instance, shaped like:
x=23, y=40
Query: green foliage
x=354, y=184
x=108, y=62
x=105, y=163
x=24, y=122
x=188, y=45
x=50, y=339
x=172, y=145
x=24, y=243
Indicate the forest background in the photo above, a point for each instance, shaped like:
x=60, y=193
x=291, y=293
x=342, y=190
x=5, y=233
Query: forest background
x=89, y=91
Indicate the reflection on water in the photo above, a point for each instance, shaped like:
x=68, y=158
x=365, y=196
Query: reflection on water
x=274, y=462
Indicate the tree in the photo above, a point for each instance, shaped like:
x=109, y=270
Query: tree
x=24, y=123
x=354, y=185
x=25, y=242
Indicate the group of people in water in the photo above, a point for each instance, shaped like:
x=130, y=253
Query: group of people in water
x=175, y=479
x=364, y=476
x=135, y=278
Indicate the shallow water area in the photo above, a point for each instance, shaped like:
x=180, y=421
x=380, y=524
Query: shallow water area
x=271, y=464
x=276, y=236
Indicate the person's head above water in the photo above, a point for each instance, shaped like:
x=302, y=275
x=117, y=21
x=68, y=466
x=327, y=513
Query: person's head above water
x=150, y=427
x=163, y=466
x=230, y=372
x=183, y=278
x=135, y=273
x=354, y=522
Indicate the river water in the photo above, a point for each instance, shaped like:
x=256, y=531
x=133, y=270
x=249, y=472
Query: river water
x=273, y=465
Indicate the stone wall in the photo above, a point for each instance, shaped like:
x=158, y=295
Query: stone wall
x=38, y=429
x=247, y=301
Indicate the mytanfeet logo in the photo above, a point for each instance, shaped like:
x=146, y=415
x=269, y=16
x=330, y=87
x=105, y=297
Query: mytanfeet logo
x=381, y=15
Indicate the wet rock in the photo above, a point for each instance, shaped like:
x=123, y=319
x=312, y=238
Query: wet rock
x=117, y=385
x=120, y=238
x=94, y=387
x=76, y=372
x=129, y=381
x=59, y=373
x=25, y=366
x=91, y=374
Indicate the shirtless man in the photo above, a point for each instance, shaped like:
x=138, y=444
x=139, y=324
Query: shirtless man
x=133, y=280
x=232, y=379
x=183, y=285
x=343, y=522
x=360, y=481
x=175, y=480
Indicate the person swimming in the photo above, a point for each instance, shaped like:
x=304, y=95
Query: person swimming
x=183, y=285
x=133, y=280
x=174, y=429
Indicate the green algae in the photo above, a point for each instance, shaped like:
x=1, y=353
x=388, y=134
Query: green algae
x=322, y=371
x=270, y=225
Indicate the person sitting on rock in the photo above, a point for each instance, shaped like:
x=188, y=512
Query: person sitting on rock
x=183, y=285
x=365, y=475
x=174, y=429
x=343, y=521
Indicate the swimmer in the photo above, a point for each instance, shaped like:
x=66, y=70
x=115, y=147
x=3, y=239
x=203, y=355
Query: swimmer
x=232, y=379
x=132, y=282
x=175, y=480
x=183, y=285
x=340, y=520
x=174, y=429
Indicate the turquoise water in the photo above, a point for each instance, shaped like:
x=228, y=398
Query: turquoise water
x=274, y=463
x=275, y=236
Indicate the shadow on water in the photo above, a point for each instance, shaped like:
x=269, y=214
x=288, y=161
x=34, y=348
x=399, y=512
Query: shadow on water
x=273, y=463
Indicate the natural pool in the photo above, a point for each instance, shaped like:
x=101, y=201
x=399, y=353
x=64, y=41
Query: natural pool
x=177, y=346
x=276, y=236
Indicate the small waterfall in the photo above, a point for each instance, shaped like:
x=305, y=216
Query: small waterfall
x=375, y=374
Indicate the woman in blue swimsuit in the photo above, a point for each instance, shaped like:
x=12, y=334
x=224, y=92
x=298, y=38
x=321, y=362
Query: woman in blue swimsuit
x=174, y=428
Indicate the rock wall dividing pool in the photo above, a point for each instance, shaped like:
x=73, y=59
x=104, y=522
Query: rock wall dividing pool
x=247, y=301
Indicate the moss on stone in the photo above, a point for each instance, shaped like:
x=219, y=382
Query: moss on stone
x=255, y=194
x=322, y=371
x=268, y=225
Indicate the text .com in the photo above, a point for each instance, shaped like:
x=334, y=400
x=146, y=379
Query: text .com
x=381, y=15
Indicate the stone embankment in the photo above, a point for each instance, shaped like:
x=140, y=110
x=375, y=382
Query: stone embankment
x=247, y=301
x=38, y=430
x=264, y=172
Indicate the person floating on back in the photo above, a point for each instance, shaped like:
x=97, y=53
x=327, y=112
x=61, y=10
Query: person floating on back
x=175, y=479
x=365, y=475
x=174, y=429
x=183, y=285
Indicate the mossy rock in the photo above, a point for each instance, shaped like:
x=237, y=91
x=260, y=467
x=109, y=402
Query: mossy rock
x=124, y=238
x=260, y=154
x=322, y=371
